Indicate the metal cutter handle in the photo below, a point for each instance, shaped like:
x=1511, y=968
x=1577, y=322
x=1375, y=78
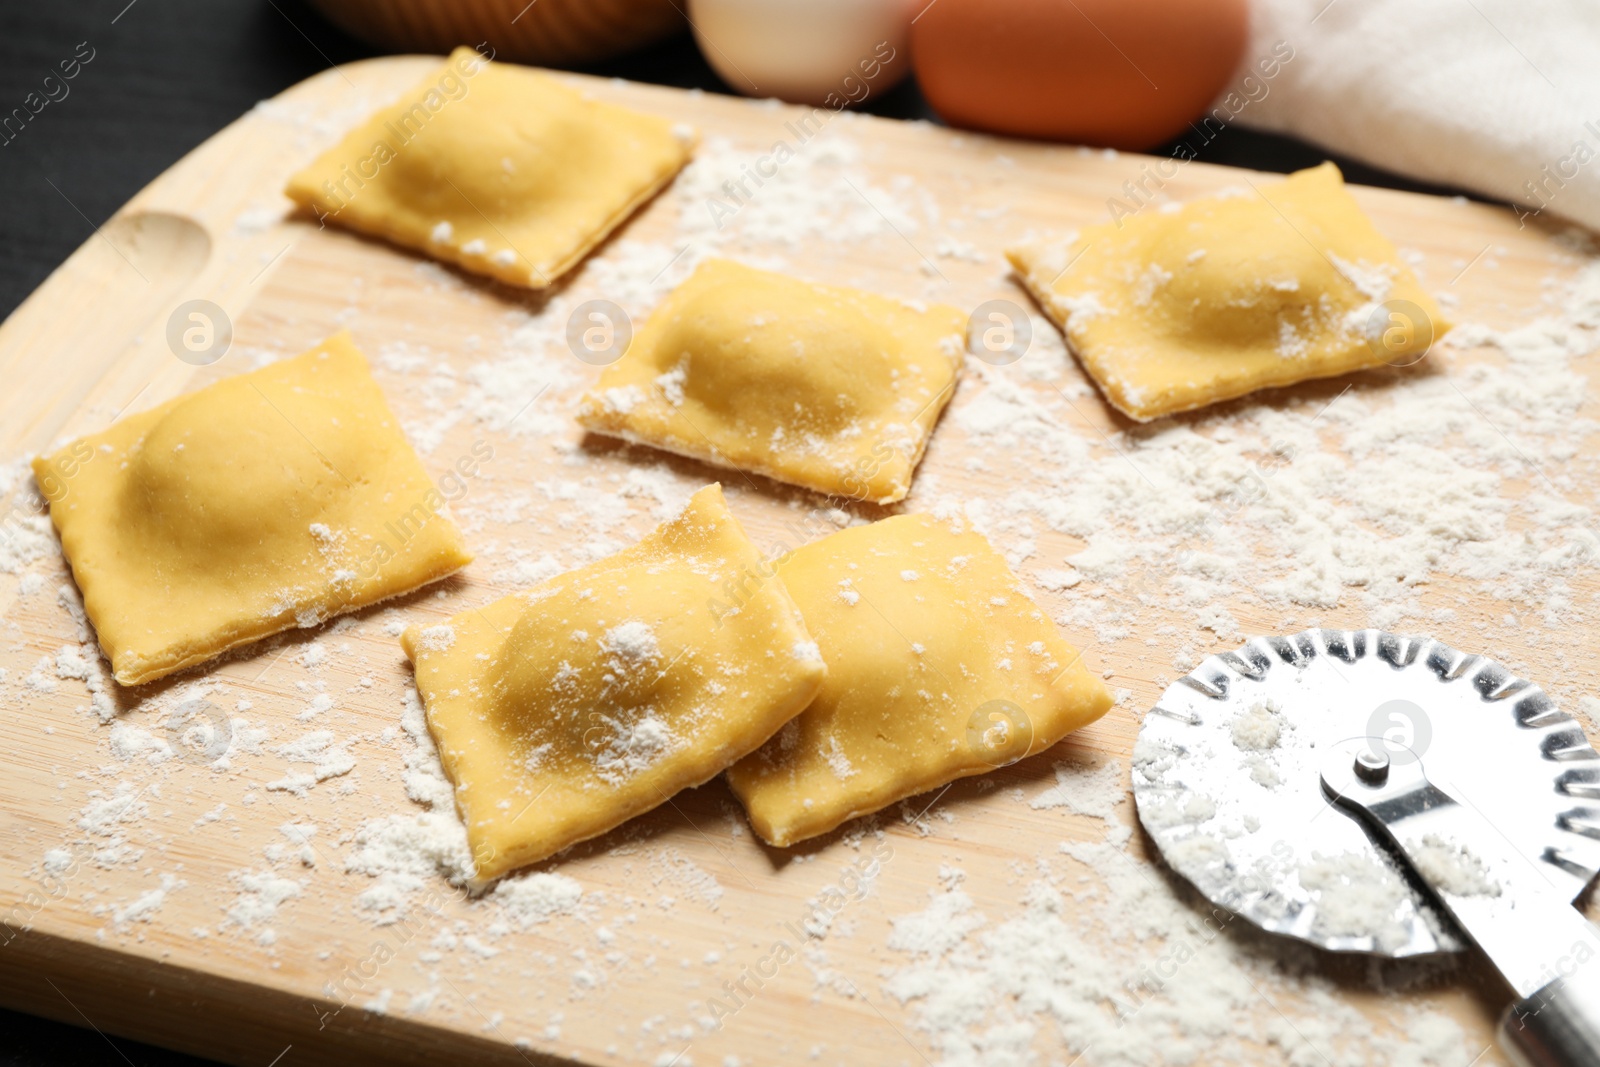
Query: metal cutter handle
x=1542, y=946
x=1559, y=1026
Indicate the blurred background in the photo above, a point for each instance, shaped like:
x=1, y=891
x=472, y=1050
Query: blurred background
x=166, y=74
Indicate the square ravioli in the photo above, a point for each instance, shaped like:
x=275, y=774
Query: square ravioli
x=499, y=169
x=1171, y=310
x=939, y=667
x=564, y=711
x=273, y=499
x=821, y=386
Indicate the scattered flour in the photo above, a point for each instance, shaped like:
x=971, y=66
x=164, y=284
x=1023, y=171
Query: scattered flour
x=1356, y=897
x=531, y=899
x=1082, y=791
x=260, y=894
x=1257, y=728
x=1363, y=501
x=672, y=867
x=1452, y=868
x=1361, y=498
x=838, y=762
x=129, y=742
x=144, y=907
x=328, y=758
x=108, y=817
x=1128, y=975
x=404, y=852
x=631, y=646
x=634, y=740
x=436, y=638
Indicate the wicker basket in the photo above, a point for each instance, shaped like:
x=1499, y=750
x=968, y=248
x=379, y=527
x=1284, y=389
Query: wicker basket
x=555, y=32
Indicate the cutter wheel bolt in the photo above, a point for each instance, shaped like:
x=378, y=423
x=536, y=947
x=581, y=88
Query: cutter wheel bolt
x=1372, y=767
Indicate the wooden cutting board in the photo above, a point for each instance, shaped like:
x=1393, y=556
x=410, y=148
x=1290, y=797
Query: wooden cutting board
x=615, y=983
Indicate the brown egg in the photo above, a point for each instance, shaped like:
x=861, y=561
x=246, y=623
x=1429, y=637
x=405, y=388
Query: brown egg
x=1123, y=73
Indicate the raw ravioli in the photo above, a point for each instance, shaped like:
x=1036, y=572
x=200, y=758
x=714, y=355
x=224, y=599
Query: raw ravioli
x=1173, y=310
x=826, y=387
x=269, y=500
x=499, y=169
x=566, y=710
x=939, y=666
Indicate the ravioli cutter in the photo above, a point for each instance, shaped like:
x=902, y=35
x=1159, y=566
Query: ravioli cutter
x=1372, y=793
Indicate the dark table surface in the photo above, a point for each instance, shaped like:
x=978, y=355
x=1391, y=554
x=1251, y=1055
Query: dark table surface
x=166, y=74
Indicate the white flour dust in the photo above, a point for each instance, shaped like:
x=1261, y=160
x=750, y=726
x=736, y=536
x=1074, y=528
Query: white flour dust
x=1356, y=504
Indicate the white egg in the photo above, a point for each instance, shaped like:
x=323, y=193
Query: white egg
x=831, y=53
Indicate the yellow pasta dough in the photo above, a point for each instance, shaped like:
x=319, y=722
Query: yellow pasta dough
x=499, y=169
x=939, y=666
x=270, y=500
x=1173, y=310
x=566, y=710
x=826, y=387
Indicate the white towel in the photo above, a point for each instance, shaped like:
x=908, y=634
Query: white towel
x=1498, y=96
